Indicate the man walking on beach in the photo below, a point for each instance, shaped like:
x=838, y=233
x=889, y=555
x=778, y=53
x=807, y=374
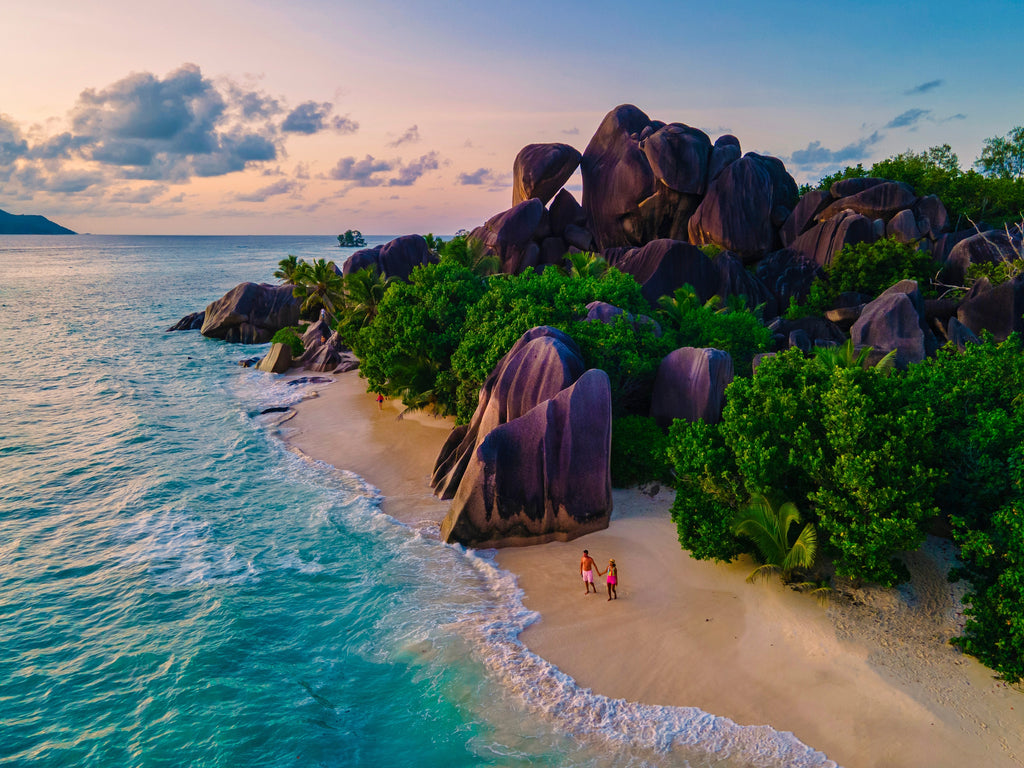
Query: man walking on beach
x=587, y=568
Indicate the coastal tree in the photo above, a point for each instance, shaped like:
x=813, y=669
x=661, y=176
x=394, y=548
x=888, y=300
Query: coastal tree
x=287, y=269
x=319, y=285
x=769, y=528
x=1003, y=156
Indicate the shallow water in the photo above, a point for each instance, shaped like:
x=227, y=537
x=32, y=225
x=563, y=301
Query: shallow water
x=177, y=588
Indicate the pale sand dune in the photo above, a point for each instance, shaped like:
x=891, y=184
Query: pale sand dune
x=870, y=680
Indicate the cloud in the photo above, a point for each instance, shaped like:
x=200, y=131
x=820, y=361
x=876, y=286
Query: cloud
x=957, y=116
x=372, y=172
x=312, y=117
x=61, y=182
x=12, y=145
x=908, y=118
x=411, y=136
x=574, y=131
x=282, y=187
x=478, y=177
x=924, y=87
x=815, y=154
x=140, y=195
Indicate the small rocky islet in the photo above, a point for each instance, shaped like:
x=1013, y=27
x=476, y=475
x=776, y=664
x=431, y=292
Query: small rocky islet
x=653, y=193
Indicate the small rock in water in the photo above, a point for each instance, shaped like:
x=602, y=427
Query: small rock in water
x=249, y=362
x=309, y=380
x=275, y=409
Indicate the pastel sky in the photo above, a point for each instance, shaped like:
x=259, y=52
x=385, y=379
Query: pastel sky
x=397, y=116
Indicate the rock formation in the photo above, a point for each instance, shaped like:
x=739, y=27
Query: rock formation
x=540, y=170
x=396, y=258
x=691, y=385
x=277, y=360
x=251, y=313
x=532, y=465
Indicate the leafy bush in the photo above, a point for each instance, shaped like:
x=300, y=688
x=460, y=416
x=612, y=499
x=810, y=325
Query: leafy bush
x=638, y=452
x=291, y=337
x=867, y=268
x=513, y=304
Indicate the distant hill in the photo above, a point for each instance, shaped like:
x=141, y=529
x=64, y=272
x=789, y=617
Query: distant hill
x=11, y=224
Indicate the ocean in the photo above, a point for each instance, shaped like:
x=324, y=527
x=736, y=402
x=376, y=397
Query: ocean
x=177, y=588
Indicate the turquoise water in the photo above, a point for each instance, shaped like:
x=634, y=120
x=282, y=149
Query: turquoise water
x=177, y=588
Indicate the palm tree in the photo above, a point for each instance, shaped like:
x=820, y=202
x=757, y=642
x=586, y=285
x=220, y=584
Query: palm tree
x=319, y=285
x=364, y=290
x=769, y=528
x=585, y=264
x=287, y=269
x=847, y=356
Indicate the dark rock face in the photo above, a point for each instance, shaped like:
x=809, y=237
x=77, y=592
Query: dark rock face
x=960, y=335
x=540, y=365
x=993, y=246
x=617, y=177
x=997, y=309
x=277, y=360
x=329, y=355
x=565, y=211
x=251, y=313
x=397, y=258
x=787, y=274
x=745, y=206
x=802, y=217
x=542, y=476
x=317, y=333
x=735, y=280
x=823, y=241
x=930, y=208
x=848, y=187
x=904, y=227
x=511, y=235
x=725, y=152
x=540, y=170
x=821, y=332
x=603, y=312
x=893, y=321
x=661, y=266
x=879, y=201
x=691, y=385
x=191, y=322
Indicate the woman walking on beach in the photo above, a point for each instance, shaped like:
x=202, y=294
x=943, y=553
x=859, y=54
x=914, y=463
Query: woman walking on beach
x=612, y=580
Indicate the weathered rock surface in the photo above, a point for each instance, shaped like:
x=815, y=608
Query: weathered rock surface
x=735, y=280
x=603, y=312
x=511, y=235
x=331, y=354
x=745, y=206
x=802, y=217
x=565, y=211
x=396, y=258
x=879, y=201
x=192, y=322
x=542, y=476
x=982, y=247
x=540, y=170
x=691, y=385
x=277, y=360
x=997, y=309
x=725, y=152
x=787, y=274
x=904, y=227
x=824, y=240
x=543, y=362
x=251, y=313
x=661, y=266
x=894, y=321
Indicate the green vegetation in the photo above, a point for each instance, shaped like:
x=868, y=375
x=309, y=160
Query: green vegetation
x=292, y=337
x=638, y=452
x=319, y=285
x=995, y=196
x=352, y=238
x=867, y=268
x=768, y=528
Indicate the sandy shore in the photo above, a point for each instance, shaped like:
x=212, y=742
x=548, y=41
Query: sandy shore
x=870, y=680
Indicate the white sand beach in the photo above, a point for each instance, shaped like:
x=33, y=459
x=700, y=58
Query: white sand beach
x=869, y=680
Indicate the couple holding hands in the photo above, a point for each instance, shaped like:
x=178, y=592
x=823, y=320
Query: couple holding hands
x=587, y=568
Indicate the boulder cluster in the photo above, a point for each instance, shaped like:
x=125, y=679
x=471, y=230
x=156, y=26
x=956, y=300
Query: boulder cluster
x=666, y=204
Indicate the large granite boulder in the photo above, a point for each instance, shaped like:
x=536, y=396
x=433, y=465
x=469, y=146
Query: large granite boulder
x=542, y=476
x=663, y=265
x=317, y=333
x=277, y=360
x=617, y=177
x=824, y=240
x=603, y=312
x=191, y=322
x=724, y=153
x=679, y=156
x=878, y=201
x=331, y=354
x=745, y=206
x=735, y=280
x=564, y=212
x=396, y=258
x=802, y=217
x=982, y=247
x=691, y=385
x=931, y=209
x=540, y=170
x=996, y=309
x=542, y=363
x=512, y=235
x=251, y=313
x=895, y=321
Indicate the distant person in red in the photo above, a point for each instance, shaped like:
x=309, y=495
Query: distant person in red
x=380, y=402
x=587, y=568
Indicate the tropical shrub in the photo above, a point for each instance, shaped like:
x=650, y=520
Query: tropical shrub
x=291, y=337
x=638, y=452
x=768, y=527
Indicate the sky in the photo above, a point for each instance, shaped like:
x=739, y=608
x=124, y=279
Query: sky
x=397, y=116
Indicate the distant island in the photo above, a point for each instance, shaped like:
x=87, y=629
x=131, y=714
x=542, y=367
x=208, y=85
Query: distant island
x=13, y=224
x=352, y=238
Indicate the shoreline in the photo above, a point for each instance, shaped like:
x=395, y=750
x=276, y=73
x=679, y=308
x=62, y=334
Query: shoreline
x=869, y=681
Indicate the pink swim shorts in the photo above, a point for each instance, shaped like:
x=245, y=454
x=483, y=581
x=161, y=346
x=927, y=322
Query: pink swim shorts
x=588, y=576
